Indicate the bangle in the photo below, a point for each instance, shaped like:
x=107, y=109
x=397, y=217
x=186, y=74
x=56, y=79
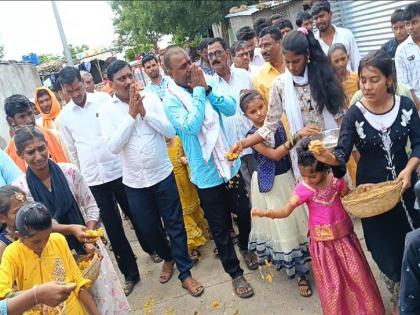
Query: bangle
x=35, y=297
x=288, y=145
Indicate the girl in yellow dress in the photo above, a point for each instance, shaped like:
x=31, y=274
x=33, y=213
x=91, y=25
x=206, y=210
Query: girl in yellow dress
x=40, y=256
x=195, y=223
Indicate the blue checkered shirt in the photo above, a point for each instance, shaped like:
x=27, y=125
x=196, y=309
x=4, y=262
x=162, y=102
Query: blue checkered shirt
x=159, y=90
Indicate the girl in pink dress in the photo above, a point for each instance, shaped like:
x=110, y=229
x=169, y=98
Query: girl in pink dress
x=342, y=274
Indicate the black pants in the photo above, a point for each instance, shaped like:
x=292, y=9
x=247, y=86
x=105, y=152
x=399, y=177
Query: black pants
x=218, y=202
x=239, y=204
x=410, y=275
x=106, y=196
x=148, y=206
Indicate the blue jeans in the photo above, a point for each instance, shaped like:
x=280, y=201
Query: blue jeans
x=148, y=206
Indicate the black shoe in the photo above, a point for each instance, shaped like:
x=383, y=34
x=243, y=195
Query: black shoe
x=129, y=286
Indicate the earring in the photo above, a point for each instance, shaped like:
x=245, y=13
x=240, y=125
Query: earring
x=20, y=197
x=309, y=60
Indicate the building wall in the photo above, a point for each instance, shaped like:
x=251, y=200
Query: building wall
x=15, y=79
x=288, y=10
x=368, y=20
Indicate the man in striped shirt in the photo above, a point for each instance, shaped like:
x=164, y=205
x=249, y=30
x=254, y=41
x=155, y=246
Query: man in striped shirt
x=158, y=83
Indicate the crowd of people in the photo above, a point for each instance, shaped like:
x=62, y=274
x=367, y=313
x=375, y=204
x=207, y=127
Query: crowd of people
x=187, y=157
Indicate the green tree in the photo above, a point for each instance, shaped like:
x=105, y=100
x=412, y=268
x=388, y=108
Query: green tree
x=48, y=57
x=1, y=51
x=144, y=21
x=74, y=50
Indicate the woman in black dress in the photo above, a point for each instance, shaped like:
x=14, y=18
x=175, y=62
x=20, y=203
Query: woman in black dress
x=380, y=126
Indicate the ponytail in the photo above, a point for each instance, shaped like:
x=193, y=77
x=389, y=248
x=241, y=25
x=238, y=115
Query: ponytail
x=326, y=90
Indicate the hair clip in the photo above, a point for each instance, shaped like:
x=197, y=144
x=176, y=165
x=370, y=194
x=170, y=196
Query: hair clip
x=19, y=196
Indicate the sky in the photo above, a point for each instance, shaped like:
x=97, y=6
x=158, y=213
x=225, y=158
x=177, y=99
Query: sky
x=30, y=26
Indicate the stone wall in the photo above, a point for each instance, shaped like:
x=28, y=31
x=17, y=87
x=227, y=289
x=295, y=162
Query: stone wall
x=15, y=78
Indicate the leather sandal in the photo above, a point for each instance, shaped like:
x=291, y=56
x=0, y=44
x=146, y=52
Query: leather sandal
x=194, y=287
x=167, y=271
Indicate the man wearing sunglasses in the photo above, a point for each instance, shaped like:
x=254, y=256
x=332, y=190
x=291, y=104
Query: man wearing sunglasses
x=232, y=82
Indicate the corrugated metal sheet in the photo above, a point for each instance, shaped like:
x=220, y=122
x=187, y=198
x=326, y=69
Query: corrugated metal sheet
x=368, y=20
x=335, y=9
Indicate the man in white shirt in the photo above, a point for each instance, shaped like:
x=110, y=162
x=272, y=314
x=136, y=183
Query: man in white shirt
x=407, y=56
x=135, y=126
x=102, y=170
x=329, y=34
x=247, y=34
x=241, y=57
x=232, y=82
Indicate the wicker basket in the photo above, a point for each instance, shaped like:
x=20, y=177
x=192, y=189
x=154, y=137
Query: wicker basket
x=91, y=272
x=371, y=200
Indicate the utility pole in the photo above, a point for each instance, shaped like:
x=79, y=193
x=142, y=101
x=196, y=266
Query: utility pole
x=62, y=35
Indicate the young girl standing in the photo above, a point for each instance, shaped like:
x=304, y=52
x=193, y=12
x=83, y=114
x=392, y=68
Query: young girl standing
x=283, y=242
x=343, y=277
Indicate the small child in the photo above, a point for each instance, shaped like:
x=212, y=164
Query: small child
x=284, y=242
x=40, y=256
x=11, y=199
x=345, y=282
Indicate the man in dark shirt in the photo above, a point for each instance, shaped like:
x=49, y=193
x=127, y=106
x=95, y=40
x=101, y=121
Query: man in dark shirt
x=400, y=33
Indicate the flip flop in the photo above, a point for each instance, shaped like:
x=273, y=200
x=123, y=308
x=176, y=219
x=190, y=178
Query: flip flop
x=251, y=260
x=241, y=283
x=155, y=258
x=194, y=287
x=304, y=283
x=167, y=272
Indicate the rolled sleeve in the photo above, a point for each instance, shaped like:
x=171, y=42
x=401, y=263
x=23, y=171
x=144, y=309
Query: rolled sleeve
x=275, y=111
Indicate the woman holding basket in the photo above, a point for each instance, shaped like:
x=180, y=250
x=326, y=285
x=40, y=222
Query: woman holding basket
x=379, y=125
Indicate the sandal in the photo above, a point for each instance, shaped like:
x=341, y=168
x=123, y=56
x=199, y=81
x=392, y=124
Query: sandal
x=167, y=271
x=251, y=260
x=302, y=284
x=234, y=237
x=194, y=287
x=242, y=288
x=195, y=255
x=155, y=258
x=129, y=286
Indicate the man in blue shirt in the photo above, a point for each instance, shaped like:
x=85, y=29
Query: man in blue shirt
x=158, y=83
x=195, y=111
x=8, y=169
x=400, y=33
